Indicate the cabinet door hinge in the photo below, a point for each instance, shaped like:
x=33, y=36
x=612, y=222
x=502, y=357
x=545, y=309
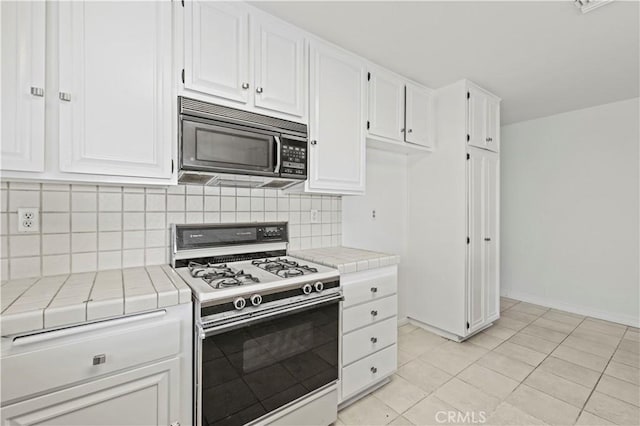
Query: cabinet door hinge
x=368, y=76
x=368, y=125
x=468, y=156
x=468, y=136
x=468, y=95
x=468, y=240
x=467, y=325
x=182, y=75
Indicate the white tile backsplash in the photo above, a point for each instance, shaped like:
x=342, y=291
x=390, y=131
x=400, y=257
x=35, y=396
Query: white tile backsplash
x=87, y=228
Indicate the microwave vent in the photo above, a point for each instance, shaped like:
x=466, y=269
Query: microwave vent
x=276, y=184
x=187, y=178
x=211, y=111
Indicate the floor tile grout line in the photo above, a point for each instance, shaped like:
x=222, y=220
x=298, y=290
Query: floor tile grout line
x=600, y=378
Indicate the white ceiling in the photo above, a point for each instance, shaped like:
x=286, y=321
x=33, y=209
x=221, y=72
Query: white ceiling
x=542, y=58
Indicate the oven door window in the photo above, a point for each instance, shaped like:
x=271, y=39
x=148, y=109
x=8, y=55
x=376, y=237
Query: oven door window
x=249, y=372
x=207, y=146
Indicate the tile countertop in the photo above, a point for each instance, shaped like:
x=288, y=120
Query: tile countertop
x=347, y=259
x=30, y=304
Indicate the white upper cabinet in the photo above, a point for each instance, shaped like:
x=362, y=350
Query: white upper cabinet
x=22, y=86
x=115, y=88
x=240, y=57
x=337, y=121
x=399, y=112
x=483, y=118
x=419, y=116
x=386, y=105
x=279, y=59
x=217, y=49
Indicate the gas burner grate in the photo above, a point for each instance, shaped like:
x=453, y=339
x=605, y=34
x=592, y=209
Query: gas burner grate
x=284, y=268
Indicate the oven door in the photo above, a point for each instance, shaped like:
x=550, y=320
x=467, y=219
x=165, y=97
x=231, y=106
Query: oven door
x=252, y=367
x=218, y=147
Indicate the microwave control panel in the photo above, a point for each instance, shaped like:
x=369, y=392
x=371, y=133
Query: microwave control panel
x=294, y=158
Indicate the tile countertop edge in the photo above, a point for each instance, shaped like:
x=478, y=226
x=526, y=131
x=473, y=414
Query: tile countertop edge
x=71, y=308
x=347, y=259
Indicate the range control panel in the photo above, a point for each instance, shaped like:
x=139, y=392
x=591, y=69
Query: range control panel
x=294, y=158
x=272, y=233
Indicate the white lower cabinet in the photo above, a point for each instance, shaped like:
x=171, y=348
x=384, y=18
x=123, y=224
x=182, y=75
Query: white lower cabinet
x=129, y=371
x=369, y=330
x=142, y=396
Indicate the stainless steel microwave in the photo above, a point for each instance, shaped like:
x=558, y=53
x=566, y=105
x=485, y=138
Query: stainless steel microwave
x=229, y=147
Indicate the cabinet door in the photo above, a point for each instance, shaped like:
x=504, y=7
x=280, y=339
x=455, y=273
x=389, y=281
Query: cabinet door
x=492, y=138
x=476, y=281
x=115, y=88
x=491, y=237
x=420, y=120
x=337, y=121
x=279, y=67
x=144, y=396
x=217, y=49
x=477, y=104
x=22, y=85
x=386, y=106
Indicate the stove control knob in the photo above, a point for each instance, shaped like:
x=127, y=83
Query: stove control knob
x=307, y=289
x=319, y=286
x=256, y=299
x=239, y=303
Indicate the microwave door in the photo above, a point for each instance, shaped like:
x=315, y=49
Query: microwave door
x=216, y=148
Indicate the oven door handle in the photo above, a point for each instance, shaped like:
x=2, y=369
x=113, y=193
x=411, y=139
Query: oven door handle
x=203, y=332
x=278, y=154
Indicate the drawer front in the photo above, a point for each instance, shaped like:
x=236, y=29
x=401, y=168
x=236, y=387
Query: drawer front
x=369, y=313
x=367, y=371
x=368, y=340
x=366, y=290
x=70, y=359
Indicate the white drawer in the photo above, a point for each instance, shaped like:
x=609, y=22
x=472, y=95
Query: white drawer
x=369, y=313
x=367, y=371
x=373, y=287
x=69, y=359
x=368, y=340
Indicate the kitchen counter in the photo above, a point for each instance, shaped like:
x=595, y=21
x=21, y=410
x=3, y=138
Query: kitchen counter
x=31, y=304
x=347, y=259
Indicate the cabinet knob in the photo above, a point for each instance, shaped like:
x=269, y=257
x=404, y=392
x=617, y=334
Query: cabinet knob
x=37, y=91
x=374, y=313
x=487, y=239
x=410, y=130
x=314, y=142
x=374, y=340
x=65, y=96
x=245, y=86
x=402, y=130
x=99, y=359
x=374, y=370
x=374, y=289
x=259, y=90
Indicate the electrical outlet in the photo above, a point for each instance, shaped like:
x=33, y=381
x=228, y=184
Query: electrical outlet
x=315, y=216
x=28, y=219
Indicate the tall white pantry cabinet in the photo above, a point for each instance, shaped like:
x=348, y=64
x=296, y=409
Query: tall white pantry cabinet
x=454, y=197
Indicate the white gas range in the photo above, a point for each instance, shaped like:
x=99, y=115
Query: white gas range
x=266, y=325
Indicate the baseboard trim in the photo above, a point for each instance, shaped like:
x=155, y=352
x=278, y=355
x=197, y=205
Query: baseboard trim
x=576, y=309
x=403, y=321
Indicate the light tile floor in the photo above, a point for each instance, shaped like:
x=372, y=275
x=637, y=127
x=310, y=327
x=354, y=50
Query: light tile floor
x=534, y=366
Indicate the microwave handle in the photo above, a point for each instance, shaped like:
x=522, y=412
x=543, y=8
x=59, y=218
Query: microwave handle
x=278, y=154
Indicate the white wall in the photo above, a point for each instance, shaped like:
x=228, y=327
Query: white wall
x=570, y=213
x=387, y=195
